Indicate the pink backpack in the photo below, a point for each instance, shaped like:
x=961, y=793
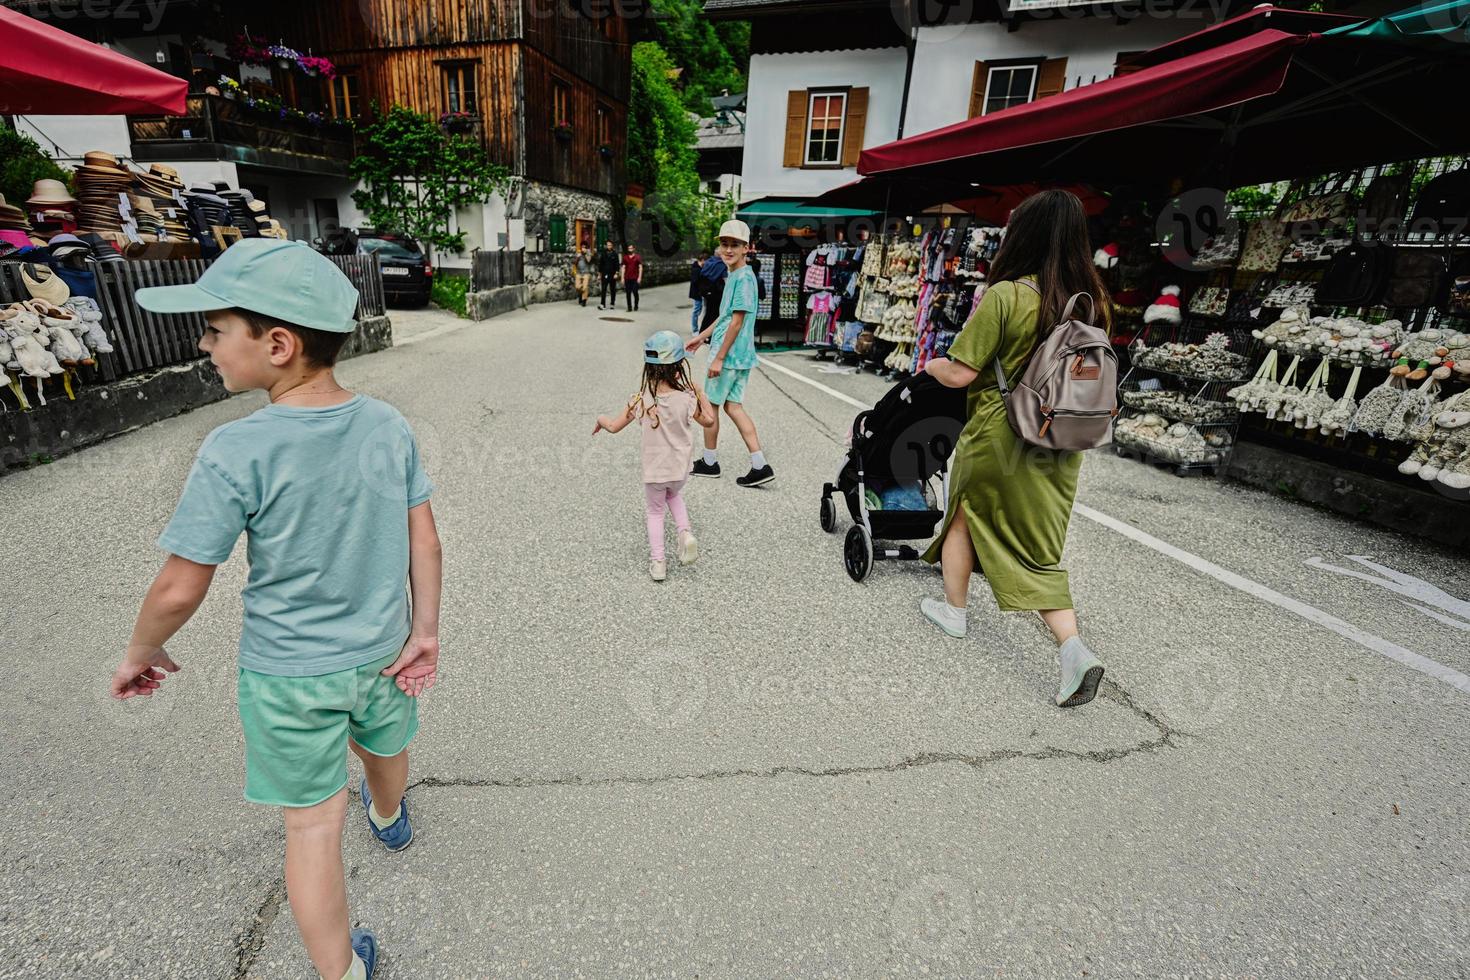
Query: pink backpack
x=1067, y=397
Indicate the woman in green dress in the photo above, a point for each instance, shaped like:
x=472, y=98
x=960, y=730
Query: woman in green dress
x=1016, y=499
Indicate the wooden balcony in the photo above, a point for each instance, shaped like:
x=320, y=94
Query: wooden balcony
x=217, y=128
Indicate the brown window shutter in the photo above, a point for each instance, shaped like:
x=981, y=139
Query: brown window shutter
x=977, y=89
x=1051, y=77
x=796, y=103
x=853, y=125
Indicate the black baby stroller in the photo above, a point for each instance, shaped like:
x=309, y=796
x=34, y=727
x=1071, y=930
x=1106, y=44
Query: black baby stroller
x=898, y=447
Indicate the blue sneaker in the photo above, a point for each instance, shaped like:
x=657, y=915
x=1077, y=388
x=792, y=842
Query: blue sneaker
x=365, y=945
x=399, y=834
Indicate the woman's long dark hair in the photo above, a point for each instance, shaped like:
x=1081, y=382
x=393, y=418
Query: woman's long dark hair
x=1047, y=237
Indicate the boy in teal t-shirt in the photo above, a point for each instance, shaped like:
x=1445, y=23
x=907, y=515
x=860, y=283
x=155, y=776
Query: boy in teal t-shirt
x=328, y=488
x=732, y=342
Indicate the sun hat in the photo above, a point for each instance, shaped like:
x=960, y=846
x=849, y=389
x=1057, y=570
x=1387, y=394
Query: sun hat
x=664, y=347
x=737, y=229
x=286, y=280
x=42, y=282
x=49, y=191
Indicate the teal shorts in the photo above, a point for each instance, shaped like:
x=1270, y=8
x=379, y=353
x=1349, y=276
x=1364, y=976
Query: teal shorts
x=296, y=729
x=727, y=386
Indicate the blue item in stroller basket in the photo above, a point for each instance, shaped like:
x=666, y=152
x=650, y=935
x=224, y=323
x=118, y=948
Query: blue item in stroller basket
x=898, y=446
x=849, y=335
x=904, y=496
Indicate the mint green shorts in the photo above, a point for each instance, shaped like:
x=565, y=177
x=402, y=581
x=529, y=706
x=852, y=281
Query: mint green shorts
x=727, y=386
x=296, y=729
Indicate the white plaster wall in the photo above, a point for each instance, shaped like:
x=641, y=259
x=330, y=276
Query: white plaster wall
x=773, y=75
x=944, y=57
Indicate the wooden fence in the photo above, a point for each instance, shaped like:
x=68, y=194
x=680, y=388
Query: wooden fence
x=146, y=341
x=495, y=269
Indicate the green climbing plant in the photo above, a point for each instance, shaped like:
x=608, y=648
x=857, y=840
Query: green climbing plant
x=414, y=176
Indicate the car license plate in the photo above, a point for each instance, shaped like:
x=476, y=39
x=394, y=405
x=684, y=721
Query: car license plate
x=394, y=271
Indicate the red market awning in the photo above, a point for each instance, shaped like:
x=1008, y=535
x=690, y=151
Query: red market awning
x=1268, y=106
x=46, y=70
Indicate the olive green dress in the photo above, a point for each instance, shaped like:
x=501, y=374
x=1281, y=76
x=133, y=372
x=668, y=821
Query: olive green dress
x=1016, y=498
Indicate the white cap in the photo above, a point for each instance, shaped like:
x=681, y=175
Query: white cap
x=737, y=229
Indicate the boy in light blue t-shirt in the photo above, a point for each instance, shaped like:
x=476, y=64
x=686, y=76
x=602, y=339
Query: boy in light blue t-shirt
x=732, y=342
x=328, y=488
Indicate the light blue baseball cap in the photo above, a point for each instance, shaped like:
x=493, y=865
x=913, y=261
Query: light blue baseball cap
x=290, y=281
x=664, y=347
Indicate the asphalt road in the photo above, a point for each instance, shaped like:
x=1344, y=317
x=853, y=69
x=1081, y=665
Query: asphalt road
x=757, y=768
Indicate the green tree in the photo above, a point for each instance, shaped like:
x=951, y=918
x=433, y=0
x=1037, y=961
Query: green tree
x=22, y=163
x=711, y=55
x=414, y=177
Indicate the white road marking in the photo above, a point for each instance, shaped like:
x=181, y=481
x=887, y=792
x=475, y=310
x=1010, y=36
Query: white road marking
x=1311, y=614
x=815, y=384
x=1366, y=640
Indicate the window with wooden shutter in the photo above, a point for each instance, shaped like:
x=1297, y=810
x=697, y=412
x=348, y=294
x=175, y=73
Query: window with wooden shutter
x=459, y=88
x=853, y=126
x=795, y=128
x=977, y=90
x=603, y=234
x=345, y=91
x=825, y=116
x=558, y=227
x=1051, y=77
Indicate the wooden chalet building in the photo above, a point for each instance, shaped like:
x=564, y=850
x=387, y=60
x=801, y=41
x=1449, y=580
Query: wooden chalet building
x=543, y=83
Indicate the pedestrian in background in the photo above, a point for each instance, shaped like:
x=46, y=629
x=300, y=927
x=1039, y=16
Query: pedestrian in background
x=328, y=489
x=632, y=276
x=667, y=405
x=1015, y=500
x=582, y=264
x=696, y=289
x=712, y=279
x=732, y=357
x=608, y=266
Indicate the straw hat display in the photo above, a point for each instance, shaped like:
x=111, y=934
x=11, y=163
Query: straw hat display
x=100, y=179
x=50, y=192
x=13, y=218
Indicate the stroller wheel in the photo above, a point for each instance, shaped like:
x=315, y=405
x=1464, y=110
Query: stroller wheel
x=829, y=515
x=857, y=552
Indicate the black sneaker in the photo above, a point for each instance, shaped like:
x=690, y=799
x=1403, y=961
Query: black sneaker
x=757, y=477
x=701, y=468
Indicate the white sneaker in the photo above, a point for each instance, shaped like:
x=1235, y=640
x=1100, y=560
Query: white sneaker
x=688, y=548
x=658, y=570
x=945, y=616
x=1081, y=674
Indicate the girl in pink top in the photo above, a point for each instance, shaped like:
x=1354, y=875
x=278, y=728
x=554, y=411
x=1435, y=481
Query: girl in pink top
x=667, y=405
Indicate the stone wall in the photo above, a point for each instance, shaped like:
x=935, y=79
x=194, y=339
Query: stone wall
x=547, y=275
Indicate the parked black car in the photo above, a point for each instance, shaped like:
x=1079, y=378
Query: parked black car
x=407, y=274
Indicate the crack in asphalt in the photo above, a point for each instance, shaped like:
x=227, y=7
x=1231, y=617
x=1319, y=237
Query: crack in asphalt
x=249, y=944
x=1167, y=738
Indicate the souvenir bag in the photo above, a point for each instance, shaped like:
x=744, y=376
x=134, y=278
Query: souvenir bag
x=1384, y=203
x=1335, y=420
x=1209, y=301
x=1278, y=399
x=1265, y=242
x=1249, y=396
x=1412, y=411
x=1357, y=276
x=1288, y=294
x=1443, y=206
x=1221, y=250
x=1377, y=407
x=1416, y=278
x=1315, y=401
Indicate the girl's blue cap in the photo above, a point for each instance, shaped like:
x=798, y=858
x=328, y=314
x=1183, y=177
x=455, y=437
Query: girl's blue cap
x=664, y=347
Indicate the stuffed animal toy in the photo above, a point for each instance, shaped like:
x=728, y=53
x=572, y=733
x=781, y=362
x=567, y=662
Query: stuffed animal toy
x=28, y=341
x=65, y=345
x=1442, y=441
x=1107, y=256
x=90, y=315
x=1455, y=473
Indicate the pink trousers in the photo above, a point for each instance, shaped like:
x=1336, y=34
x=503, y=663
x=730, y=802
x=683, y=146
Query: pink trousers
x=658, y=496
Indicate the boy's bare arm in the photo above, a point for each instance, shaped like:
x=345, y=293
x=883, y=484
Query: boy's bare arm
x=417, y=666
x=173, y=597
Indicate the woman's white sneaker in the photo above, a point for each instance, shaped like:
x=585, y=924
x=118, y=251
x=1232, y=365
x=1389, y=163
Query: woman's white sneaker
x=946, y=617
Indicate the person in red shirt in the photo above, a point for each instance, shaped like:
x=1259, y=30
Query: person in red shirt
x=632, y=273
